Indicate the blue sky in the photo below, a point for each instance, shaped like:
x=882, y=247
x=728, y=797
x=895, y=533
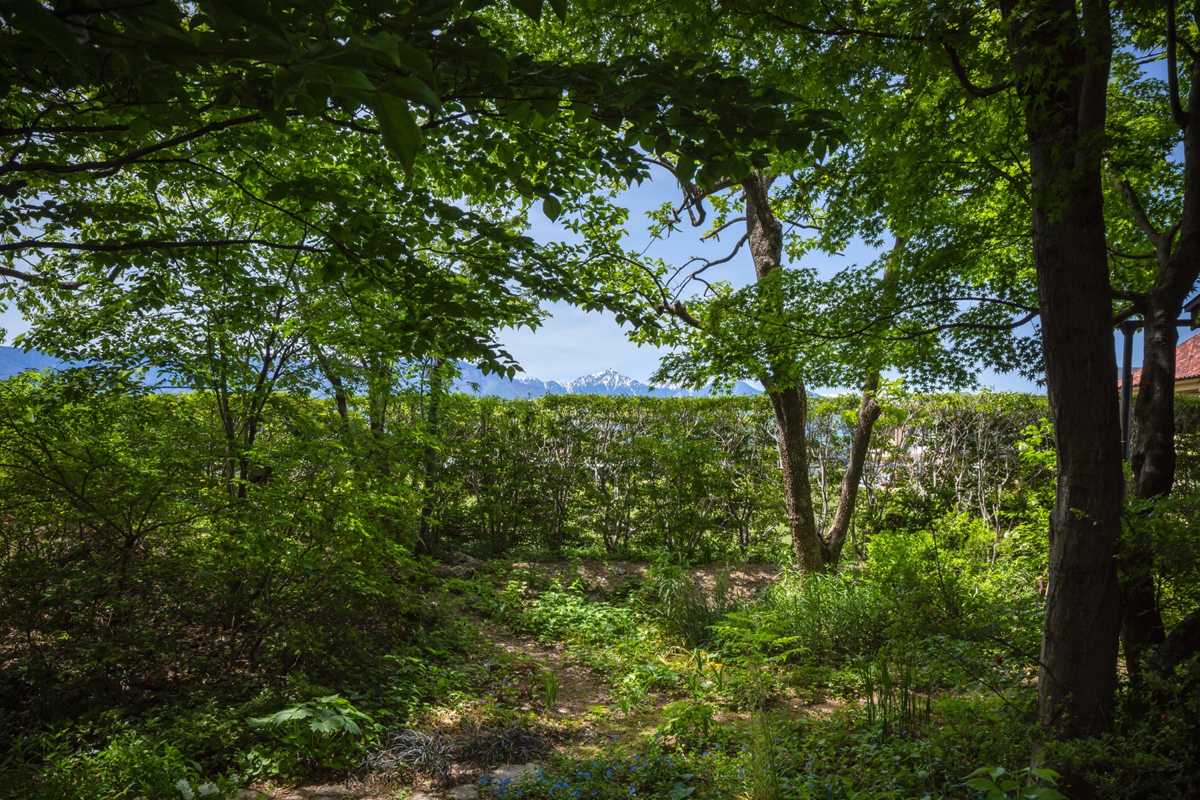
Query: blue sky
x=574, y=342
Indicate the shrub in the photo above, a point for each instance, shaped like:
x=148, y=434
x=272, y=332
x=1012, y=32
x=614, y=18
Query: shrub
x=685, y=611
x=326, y=733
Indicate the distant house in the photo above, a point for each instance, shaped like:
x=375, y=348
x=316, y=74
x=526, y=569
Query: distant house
x=1187, y=368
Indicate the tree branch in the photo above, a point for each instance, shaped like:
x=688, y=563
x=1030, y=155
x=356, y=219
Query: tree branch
x=152, y=244
x=1136, y=256
x=716, y=234
x=677, y=309
x=29, y=277
x=960, y=72
x=972, y=326
x=1177, y=113
x=843, y=29
x=129, y=158
x=1126, y=190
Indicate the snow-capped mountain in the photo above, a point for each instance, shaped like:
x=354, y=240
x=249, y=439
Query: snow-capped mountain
x=471, y=381
x=609, y=383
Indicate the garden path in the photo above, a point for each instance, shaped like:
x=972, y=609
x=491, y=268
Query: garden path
x=582, y=717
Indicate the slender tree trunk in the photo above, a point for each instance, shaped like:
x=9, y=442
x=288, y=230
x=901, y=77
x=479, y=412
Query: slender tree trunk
x=339, y=389
x=868, y=413
x=428, y=540
x=788, y=397
x=1063, y=76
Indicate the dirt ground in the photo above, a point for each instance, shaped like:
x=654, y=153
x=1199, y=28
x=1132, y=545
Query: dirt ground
x=746, y=579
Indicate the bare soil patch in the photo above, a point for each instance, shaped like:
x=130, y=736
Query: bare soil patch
x=605, y=577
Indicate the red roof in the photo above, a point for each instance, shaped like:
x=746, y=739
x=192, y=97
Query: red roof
x=1187, y=362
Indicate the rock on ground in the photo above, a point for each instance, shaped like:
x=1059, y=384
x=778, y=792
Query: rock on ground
x=512, y=772
x=457, y=565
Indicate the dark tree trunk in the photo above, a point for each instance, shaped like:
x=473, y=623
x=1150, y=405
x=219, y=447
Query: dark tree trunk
x=1063, y=76
x=1152, y=455
x=791, y=413
x=1152, y=458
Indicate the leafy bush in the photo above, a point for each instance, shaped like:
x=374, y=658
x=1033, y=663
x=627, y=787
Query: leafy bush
x=992, y=784
x=811, y=619
x=326, y=733
x=61, y=767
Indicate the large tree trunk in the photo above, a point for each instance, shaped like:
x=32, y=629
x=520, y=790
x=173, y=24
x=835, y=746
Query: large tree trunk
x=1152, y=455
x=1063, y=76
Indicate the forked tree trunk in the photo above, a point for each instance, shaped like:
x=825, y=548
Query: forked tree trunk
x=788, y=397
x=789, y=400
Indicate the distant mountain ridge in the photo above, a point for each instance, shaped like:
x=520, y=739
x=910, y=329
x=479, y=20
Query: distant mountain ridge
x=609, y=383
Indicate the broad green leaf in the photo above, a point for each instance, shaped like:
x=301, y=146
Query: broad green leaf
x=398, y=128
x=413, y=89
x=530, y=8
x=32, y=16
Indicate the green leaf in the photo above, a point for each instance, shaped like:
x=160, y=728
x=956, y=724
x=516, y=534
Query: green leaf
x=551, y=207
x=283, y=82
x=399, y=129
x=257, y=12
x=415, y=61
x=530, y=8
x=33, y=17
x=291, y=714
x=140, y=127
x=559, y=7
x=352, y=80
x=685, y=168
x=413, y=89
